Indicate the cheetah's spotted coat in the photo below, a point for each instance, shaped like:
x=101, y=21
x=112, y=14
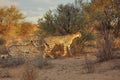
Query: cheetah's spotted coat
x=66, y=41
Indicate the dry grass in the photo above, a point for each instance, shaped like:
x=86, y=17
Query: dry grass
x=105, y=49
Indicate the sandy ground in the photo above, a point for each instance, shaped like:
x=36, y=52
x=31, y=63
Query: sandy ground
x=71, y=69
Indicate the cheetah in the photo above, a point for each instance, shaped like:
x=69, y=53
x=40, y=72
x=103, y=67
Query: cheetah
x=65, y=40
x=25, y=48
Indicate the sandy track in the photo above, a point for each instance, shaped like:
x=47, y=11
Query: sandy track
x=71, y=69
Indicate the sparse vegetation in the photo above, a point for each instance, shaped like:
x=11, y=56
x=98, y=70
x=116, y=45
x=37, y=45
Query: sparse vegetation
x=105, y=50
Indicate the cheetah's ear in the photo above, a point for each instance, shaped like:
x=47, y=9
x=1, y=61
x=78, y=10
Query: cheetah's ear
x=79, y=34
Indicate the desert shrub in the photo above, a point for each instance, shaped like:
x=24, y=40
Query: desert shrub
x=105, y=48
x=40, y=62
x=11, y=61
x=29, y=72
x=103, y=56
x=79, y=45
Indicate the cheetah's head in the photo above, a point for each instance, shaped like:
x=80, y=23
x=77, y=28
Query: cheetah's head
x=78, y=34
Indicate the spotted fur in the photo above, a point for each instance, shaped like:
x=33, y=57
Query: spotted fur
x=65, y=40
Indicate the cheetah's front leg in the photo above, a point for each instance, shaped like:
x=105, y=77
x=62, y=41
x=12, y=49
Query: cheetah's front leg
x=48, y=53
x=65, y=51
x=69, y=51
